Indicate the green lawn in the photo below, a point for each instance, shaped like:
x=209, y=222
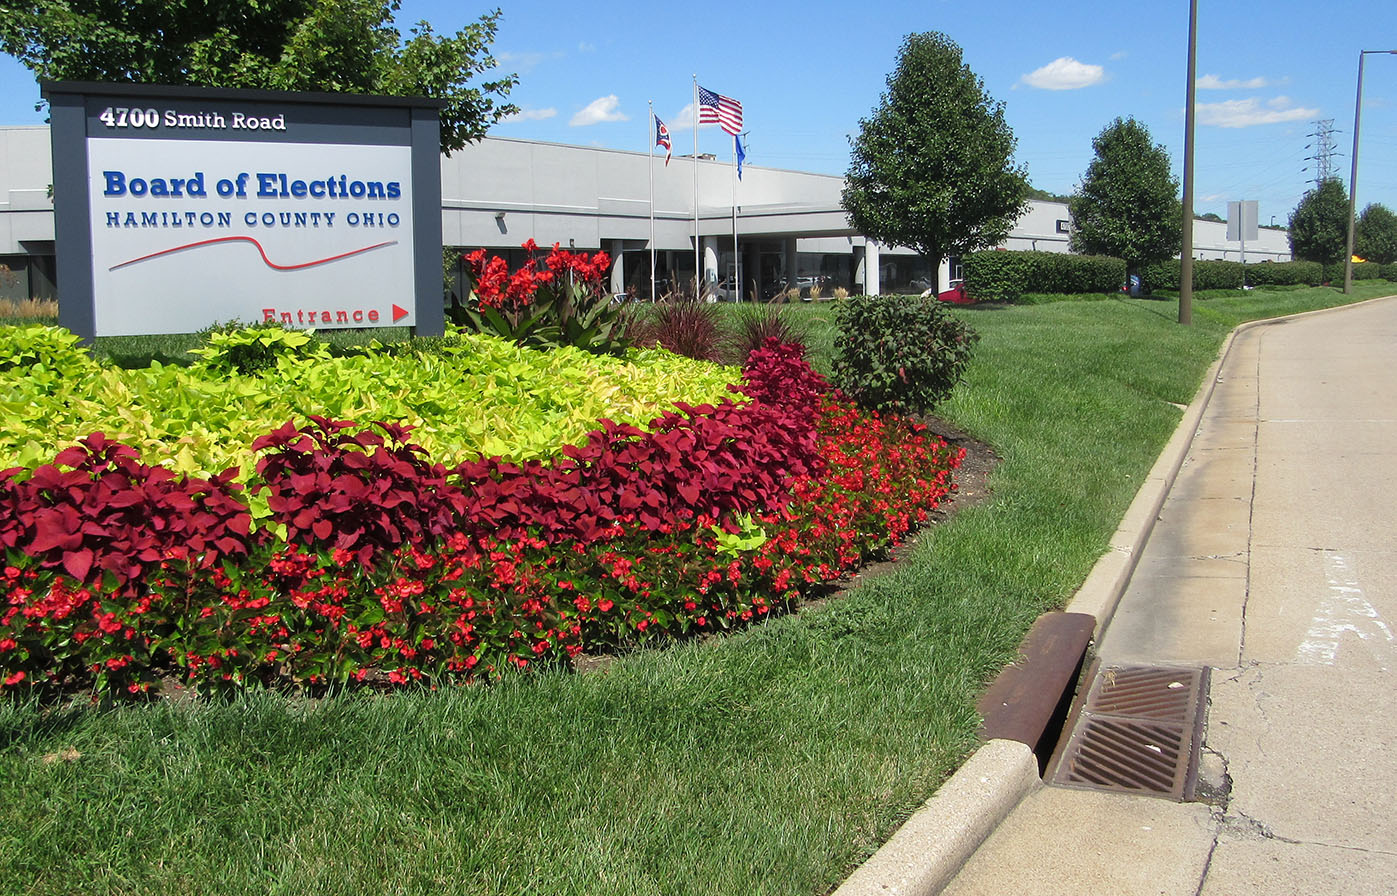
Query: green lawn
x=768, y=762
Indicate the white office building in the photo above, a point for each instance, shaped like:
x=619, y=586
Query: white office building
x=500, y=192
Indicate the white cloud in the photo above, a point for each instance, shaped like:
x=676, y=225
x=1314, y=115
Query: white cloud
x=1213, y=82
x=585, y=47
x=523, y=62
x=1250, y=112
x=531, y=115
x=1119, y=55
x=684, y=121
x=599, y=110
x=1064, y=73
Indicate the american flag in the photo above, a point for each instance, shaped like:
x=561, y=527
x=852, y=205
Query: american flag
x=662, y=138
x=724, y=110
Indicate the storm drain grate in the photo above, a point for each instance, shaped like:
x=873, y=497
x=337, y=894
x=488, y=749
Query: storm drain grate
x=1138, y=732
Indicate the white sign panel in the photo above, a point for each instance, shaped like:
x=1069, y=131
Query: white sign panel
x=1242, y=222
x=189, y=232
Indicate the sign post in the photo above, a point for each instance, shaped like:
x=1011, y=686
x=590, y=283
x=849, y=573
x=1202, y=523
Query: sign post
x=178, y=208
x=1242, y=223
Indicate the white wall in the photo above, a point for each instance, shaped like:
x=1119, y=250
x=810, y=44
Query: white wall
x=597, y=198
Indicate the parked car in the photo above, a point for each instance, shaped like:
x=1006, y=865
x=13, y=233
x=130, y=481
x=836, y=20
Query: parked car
x=955, y=295
x=724, y=291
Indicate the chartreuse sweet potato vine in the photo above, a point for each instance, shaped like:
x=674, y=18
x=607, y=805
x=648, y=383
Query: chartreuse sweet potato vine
x=469, y=396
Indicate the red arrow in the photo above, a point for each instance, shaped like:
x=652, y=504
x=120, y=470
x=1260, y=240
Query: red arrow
x=399, y=313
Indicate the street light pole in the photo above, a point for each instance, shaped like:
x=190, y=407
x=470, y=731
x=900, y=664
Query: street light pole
x=1353, y=171
x=1186, y=238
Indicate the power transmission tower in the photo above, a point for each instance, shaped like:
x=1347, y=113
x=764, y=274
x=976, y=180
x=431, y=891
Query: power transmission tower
x=1323, y=146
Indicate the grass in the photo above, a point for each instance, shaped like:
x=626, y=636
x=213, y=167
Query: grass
x=767, y=762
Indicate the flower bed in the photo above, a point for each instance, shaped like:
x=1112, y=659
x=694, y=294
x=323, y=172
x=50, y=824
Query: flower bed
x=378, y=564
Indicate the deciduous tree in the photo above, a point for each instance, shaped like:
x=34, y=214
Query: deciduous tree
x=1127, y=205
x=1319, y=224
x=1376, y=234
x=336, y=46
x=932, y=169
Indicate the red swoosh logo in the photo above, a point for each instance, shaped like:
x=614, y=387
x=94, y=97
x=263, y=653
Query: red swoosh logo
x=267, y=261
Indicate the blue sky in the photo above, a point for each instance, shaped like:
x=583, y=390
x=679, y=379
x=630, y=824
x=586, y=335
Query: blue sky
x=806, y=72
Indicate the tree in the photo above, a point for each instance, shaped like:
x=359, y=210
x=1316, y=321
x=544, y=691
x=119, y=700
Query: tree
x=335, y=46
x=1376, y=234
x=1045, y=196
x=932, y=169
x=1319, y=224
x=1127, y=205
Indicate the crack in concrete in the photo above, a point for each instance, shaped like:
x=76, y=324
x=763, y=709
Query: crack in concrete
x=1214, y=784
x=1245, y=826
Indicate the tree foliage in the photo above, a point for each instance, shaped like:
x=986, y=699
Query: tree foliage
x=1127, y=205
x=932, y=169
x=1319, y=224
x=1375, y=234
x=334, y=46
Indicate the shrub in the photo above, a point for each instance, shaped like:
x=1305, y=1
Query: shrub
x=899, y=354
x=755, y=325
x=994, y=276
x=684, y=326
x=1206, y=275
x=24, y=349
x=1285, y=273
x=1367, y=270
x=250, y=350
x=997, y=275
x=356, y=492
x=1389, y=271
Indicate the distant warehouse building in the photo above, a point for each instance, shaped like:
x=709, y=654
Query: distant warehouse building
x=498, y=193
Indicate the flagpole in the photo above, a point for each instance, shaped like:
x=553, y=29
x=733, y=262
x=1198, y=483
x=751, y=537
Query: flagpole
x=736, y=258
x=651, y=165
x=698, y=270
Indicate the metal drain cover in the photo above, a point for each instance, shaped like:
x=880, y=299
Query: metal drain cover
x=1138, y=732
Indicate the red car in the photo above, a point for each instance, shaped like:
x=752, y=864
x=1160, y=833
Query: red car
x=955, y=295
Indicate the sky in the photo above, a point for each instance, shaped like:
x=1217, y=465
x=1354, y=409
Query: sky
x=806, y=73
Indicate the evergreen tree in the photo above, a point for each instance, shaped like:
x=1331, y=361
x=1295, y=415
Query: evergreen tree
x=932, y=169
x=1127, y=205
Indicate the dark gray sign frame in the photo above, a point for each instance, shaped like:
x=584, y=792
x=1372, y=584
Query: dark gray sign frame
x=319, y=118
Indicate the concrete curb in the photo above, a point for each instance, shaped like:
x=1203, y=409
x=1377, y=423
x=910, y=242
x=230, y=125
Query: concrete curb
x=931, y=846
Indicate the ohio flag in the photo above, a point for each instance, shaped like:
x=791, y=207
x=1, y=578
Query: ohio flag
x=662, y=138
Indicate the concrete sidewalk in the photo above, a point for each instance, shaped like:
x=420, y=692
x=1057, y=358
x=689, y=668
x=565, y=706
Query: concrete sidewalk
x=1273, y=563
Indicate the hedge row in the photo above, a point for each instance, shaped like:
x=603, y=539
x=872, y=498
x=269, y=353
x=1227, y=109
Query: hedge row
x=1231, y=274
x=1206, y=274
x=1004, y=276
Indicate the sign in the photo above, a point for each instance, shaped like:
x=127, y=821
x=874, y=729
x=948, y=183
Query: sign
x=180, y=208
x=1242, y=224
